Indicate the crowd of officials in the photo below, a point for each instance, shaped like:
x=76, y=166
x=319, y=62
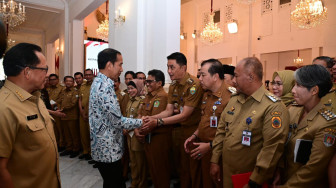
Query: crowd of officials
x=220, y=128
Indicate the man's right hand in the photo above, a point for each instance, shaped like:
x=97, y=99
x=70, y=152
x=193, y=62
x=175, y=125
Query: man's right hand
x=189, y=143
x=215, y=172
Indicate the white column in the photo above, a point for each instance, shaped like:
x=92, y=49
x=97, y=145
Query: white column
x=77, y=46
x=65, y=67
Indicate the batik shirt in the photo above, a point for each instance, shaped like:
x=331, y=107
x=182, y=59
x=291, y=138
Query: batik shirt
x=106, y=121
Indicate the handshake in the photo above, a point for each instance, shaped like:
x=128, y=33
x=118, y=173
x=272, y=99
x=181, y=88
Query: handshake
x=148, y=124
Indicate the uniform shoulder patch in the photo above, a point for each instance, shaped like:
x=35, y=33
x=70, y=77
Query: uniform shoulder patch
x=327, y=114
x=122, y=93
x=156, y=104
x=233, y=90
x=329, y=139
x=276, y=122
x=190, y=81
x=272, y=97
x=193, y=90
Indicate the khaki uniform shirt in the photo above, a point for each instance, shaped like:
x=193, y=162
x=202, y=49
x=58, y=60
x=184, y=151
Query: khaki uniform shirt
x=188, y=92
x=123, y=100
x=154, y=103
x=316, y=128
x=27, y=139
x=54, y=92
x=69, y=103
x=84, y=94
x=133, y=106
x=329, y=100
x=268, y=120
x=213, y=104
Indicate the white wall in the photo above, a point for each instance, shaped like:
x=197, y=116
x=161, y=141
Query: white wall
x=277, y=33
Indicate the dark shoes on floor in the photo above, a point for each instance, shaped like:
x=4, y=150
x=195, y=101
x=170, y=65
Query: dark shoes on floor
x=65, y=153
x=74, y=154
x=85, y=156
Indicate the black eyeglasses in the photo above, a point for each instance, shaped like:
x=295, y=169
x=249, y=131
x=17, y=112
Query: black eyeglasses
x=31, y=67
x=276, y=83
x=149, y=81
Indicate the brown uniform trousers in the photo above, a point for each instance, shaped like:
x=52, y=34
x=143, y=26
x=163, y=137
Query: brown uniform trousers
x=158, y=149
x=213, y=104
x=27, y=139
x=187, y=92
x=267, y=118
x=84, y=127
x=123, y=100
x=69, y=103
x=54, y=94
x=316, y=128
x=136, y=149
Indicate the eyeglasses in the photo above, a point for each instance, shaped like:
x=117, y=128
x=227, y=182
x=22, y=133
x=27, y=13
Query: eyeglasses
x=31, y=67
x=149, y=81
x=276, y=83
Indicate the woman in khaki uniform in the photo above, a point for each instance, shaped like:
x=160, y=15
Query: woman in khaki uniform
x=136, y=149
x=311, y=142
x=282, y=85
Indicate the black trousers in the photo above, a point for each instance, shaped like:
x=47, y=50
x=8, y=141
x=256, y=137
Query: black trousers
x=111, y=174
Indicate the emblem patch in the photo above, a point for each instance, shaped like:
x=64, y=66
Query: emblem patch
x=192, y=90
x=329, y=140
x=276, y=122
x=156, y=103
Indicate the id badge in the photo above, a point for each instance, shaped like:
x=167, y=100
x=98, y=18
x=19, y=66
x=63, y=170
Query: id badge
x=246, y=139
x=213, y=121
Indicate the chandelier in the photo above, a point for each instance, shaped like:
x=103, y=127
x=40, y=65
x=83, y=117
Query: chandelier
x=211, y=33
x=298, y=61
x=103, y=28
x=12, y=13
x=10, y=43
x=309, y=14
x=246, y=1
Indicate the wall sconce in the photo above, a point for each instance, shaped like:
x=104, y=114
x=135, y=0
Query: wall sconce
x=183, y=36
x=194, y=34
x=233, y=26
x=119, y=18
x=58, y=51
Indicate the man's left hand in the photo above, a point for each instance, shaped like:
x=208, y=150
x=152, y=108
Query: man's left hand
x=148, y=126
x=200, y=150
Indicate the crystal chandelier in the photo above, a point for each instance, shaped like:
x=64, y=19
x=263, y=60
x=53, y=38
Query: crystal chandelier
x=12, y=13
x=246, y=1
x=103, y=29
x=10, y=43
x=298, y=61
x=309, y=14
x=211, y=33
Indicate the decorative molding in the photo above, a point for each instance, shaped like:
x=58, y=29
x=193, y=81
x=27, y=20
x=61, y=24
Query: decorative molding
x=266, y=6
x=228, y=12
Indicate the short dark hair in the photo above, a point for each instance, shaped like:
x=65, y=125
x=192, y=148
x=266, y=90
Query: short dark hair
x=158, y=75
x=179, y=57
x=65, y=77
x=255, y=65
x=228, y=69
x=215, y=68
x=330, y=61
x=88, y=70
x=131, y=73
x=107, y=55
x=78, y=73
x=20, y=56
x=314, y=75
x=53, y=75
x=136, y=74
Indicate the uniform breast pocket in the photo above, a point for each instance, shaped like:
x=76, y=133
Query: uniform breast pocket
x=36, y=135
x=228, y=118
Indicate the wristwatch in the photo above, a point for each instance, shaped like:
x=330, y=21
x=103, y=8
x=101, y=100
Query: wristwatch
x=160, y=122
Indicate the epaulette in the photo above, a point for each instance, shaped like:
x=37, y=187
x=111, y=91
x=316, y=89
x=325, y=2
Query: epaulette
x=173, y=82
x=122, y=93
x=190, y=81
x=327, y=114
x=232, y=90
x=4, y=95
x=272, y=97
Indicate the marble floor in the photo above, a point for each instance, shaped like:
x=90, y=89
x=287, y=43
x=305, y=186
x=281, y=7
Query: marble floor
x=77, y=173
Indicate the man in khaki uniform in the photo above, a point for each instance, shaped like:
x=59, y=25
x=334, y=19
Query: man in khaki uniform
x=54, y=92
x=68, y=103
x=252, y=129
x=185, y=94
x=79, y=79
x=28, y=149
x=83, y=103
x=158, y=141
x=213, y=103
x=121, y=96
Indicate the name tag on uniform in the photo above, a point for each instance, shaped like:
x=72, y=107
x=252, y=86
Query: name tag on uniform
x=246, y=139
x=213, y=121
x=32, y=117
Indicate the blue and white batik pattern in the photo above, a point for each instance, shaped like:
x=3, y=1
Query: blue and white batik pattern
x=106, y=121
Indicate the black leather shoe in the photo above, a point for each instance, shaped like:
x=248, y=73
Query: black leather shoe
x=95, y=165
x=60, y=149
x=82, y=156
x=74, y=154
x=66, y=152
x=92, y=162
x=88, y=157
